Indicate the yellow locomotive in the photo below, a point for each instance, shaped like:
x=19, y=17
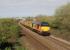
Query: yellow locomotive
x=42, y=27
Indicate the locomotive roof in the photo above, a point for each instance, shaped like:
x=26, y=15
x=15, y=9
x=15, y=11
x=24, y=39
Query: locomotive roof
x=36, y=22
x=39, y=22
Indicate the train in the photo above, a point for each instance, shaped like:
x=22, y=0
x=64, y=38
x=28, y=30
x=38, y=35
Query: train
x=42, y=28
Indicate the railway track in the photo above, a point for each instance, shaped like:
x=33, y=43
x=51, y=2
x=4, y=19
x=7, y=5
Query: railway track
x=59, y=41
x=45, y=43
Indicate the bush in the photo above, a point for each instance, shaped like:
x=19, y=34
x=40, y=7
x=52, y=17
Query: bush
x=9, y=30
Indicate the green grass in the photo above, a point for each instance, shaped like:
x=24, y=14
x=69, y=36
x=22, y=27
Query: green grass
x=17, y=48
x=20, y=48
x=7, y=49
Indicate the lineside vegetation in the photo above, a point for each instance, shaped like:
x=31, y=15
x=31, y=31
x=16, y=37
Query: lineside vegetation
x=9, y=34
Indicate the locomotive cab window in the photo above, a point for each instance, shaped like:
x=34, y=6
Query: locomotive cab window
x=44, y=24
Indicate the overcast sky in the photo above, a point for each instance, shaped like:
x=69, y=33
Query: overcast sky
x=29, y=7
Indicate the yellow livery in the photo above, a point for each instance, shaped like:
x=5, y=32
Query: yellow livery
x=45, y=28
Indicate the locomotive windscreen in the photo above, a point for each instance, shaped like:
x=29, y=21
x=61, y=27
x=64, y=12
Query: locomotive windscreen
x=44, y=23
